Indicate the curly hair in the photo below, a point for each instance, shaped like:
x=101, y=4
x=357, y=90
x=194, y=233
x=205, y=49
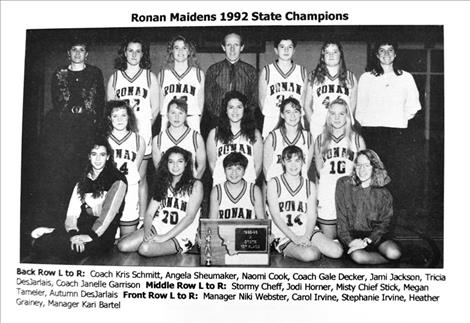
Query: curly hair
x=164, y=178
x=97, y=186
x=170, y=59
x=120, y=104
x=375, y=67
x=120, y=61
x=296, y=104
x=327, y=133
x=380, y=177
x=318, y=75
x=248, y=122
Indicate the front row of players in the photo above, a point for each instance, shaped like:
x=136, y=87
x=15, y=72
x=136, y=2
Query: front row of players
x=364, y=209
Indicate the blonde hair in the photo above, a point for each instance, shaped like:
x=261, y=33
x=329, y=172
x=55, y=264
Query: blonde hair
x=327, y=133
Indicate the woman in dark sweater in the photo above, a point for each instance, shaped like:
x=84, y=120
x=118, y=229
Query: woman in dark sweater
x=94, y=210
x=364, y=210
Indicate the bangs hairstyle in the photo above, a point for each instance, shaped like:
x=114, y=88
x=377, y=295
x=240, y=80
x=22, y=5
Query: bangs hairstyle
x=291, y=151
x=120, y=62
x=327, y=134
x=120, y=104
x=375, y=67
x=181, y=105
x=235, y=159
x=296, y=104
x=283, y=36
x=96, y=187
x=318, y=75
x=78, y=41
x=170, y=59
x=164, y=178
x=248, y=123
x=380, y=177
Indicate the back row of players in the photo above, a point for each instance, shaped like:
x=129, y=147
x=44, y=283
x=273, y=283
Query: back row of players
x=327, y=97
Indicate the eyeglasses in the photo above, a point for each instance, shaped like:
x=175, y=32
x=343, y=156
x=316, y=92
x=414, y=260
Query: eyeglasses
x=366, y=166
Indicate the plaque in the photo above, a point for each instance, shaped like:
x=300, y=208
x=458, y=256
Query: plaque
x=234, y=242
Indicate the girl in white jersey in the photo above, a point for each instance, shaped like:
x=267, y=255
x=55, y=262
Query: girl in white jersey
x=288, y=132
x=182, y=78
x=128, y=152
x=292, y=199
x=236, y=132
x=236, y=199
x=330, y=80
x=335, y=152
x=133, y=81
x=172, y=218
x=177, y=133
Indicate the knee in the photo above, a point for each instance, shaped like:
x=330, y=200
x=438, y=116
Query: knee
x=393, y=253
x=124, y=246
x=145, y=250
x=336, y=251
x=310, y=254
x=359, y=257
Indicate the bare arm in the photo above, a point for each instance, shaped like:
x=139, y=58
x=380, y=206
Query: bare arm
x=140, y=152
x=110, y=90
x=200, y=99
x=311, y=212
x=214, y=204
x=308, y=102
x=259, y=204
x=310, y=151
x=148, y=219
x=211, y=150
x=156, y=153
x=262, y=87
x=200, y=157
x=318, y=156
x=154, y=96
x=353, y=99
x=258, y=153
x=268, y=152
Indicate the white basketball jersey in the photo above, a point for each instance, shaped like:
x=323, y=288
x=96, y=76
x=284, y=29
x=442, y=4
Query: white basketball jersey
x=338, y=161
x=281, y=86
x=172, y=209
x=239, y=144
x=303, y=140
x=292, y=202
x=186, y=86
x=125, y=154
x=240, y=207
x=187, y=141
x=325, y=93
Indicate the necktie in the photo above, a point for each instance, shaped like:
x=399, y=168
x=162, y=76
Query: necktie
x=233, y=79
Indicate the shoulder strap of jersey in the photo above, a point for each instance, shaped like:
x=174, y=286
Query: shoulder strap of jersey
x=318, y=141
x=159, y=140
x=162, y=76
x=252, y=193
x=115, y=76
x=195, y=140
x=303, y=72
x=350, y=78
x=137, y=141
x=307, y=184
x=273, y=135
x=356, y=140
x=219, y=193
x=266, y=71
x=149, y=79
x=198, y=74
x=278, y=186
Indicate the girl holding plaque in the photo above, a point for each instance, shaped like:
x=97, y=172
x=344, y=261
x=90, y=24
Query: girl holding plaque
x=172, y=217
x=292, y=205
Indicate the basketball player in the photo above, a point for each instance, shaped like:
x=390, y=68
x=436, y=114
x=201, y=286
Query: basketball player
x=134, y=81
x=330, y=80
x=292, y=199
x=172, y=217
x=128, y=152
x=335, y=152
x=182, y=79
x=179, y=134
x=280, y=80
x=236, y=199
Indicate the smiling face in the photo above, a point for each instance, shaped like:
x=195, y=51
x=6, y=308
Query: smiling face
x=293, y=165
x=134, y=53
x=331, y=55
x=285, y=50
x=176, y=116
x=232, y=47
x=176, y=164
x=363, y=170
x=119, y=118
x=386, y=54
x=234, y=173
x=78, y=54
x=291, y=115
x=180, y=51
x=98, y=157
x=235, y=110
x=337, y=116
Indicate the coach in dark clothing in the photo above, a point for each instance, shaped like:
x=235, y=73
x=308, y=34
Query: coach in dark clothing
x=228, y=75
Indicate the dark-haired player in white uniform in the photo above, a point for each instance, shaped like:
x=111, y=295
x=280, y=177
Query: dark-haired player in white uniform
x=133, y=81
x=292, y=200
x=235, y=199
x=182, y=79
x=179, y=134
x=280, y=80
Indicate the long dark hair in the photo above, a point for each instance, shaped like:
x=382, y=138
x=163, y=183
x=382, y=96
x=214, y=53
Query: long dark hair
x=120, y=61
x=296, y=104
x=97, y=186
x=318, y=75
x=164, y=178
x=121, y=104
x=375, y=67
x=248, y=123
x=380, y=177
